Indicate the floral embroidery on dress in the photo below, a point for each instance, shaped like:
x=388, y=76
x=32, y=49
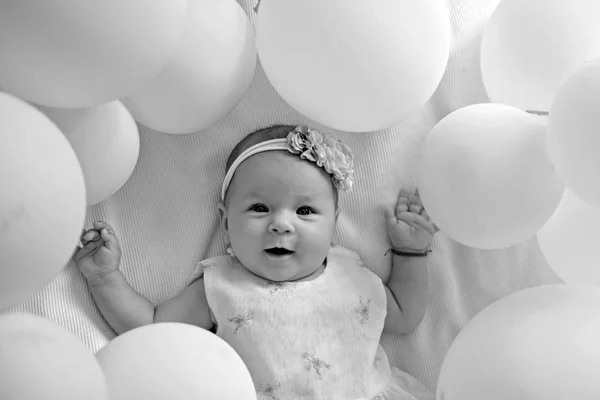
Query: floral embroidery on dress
x=284, y=287
x=380, y=396
x=377, y=362
x=362, y=311
x=312, y=362
x=241, y=320
x=266, y=391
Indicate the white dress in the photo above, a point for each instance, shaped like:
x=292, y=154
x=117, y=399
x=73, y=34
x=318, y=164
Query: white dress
x=314, y=339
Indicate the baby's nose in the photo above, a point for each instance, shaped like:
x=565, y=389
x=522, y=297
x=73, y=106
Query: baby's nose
x=280, y=229
x=280, y=225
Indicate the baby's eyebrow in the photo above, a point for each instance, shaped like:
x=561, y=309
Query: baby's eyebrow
x=306, y=198
x=253, y=195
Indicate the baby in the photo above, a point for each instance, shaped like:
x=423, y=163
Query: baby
x=305, y=316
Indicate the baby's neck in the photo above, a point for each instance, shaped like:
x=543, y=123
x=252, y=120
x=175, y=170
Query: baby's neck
x=312, y=276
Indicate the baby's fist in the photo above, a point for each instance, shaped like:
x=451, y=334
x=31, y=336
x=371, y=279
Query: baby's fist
x=100, y=254
x=409, y=226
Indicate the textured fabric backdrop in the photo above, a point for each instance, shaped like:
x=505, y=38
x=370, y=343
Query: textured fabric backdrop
x=167, y=220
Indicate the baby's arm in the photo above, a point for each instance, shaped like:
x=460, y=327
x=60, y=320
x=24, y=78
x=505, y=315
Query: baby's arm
x=125, y=309
x=407, y=294
x=122, y=307
x=190, y=307
x=410, y=230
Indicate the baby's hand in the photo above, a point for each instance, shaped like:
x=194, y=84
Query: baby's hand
x=100, y=254
x=409, y=227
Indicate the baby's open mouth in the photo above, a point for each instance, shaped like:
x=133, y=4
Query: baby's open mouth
x=278, y=251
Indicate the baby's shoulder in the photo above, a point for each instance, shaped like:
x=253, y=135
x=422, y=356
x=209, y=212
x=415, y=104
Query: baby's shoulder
x=209, y=265
x=344, y=255
x=216, y=262
x=351, y=272
x=350, y=261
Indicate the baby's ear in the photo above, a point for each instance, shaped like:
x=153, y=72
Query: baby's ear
x=223, y=213
x=222, y=208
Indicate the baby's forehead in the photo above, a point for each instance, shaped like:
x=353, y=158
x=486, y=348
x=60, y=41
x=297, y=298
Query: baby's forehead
x=284, y=170
x=278, y=162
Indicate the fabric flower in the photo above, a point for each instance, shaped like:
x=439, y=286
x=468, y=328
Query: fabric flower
x=297, y=141
x=340, y=163
x=326, y=151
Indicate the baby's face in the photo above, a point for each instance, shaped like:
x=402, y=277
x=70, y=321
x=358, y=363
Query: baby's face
x=281, y=215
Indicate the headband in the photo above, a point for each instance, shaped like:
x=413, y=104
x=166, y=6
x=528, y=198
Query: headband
x=321, y=148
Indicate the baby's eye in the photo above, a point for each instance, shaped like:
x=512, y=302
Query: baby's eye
x=258, y=208
x=305, y=211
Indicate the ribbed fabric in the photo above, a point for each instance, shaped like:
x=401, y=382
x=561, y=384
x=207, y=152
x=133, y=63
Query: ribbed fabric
x=166, y=217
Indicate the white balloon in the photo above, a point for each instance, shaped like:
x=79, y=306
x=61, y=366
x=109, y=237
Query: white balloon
x=484, y=176
x=535, y=344
x=530, y=47
x=167, y=361
x=41, y=360
x=209, y=75
x=570, y=241
x=574, y=133
x=106, y=141
x=42, y=201
x=71, y=53
x=354, y=65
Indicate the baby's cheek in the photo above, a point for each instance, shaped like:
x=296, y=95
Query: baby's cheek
x=242, y=239
x=320, y=242
x=248, y=230
x=328, y=232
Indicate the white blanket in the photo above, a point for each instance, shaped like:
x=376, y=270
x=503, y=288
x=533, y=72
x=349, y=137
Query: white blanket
x=166, y=217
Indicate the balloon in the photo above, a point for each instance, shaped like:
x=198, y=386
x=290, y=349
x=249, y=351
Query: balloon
x=354, y=65
x=173, y=361
x=530, y=47
x=41, y=360
x=106, y=141
x=573, y=132
x=535, y=344
x=42, y=201
x=484, y=176
x=570, y=239
x=68, y=53
x=209, y=75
